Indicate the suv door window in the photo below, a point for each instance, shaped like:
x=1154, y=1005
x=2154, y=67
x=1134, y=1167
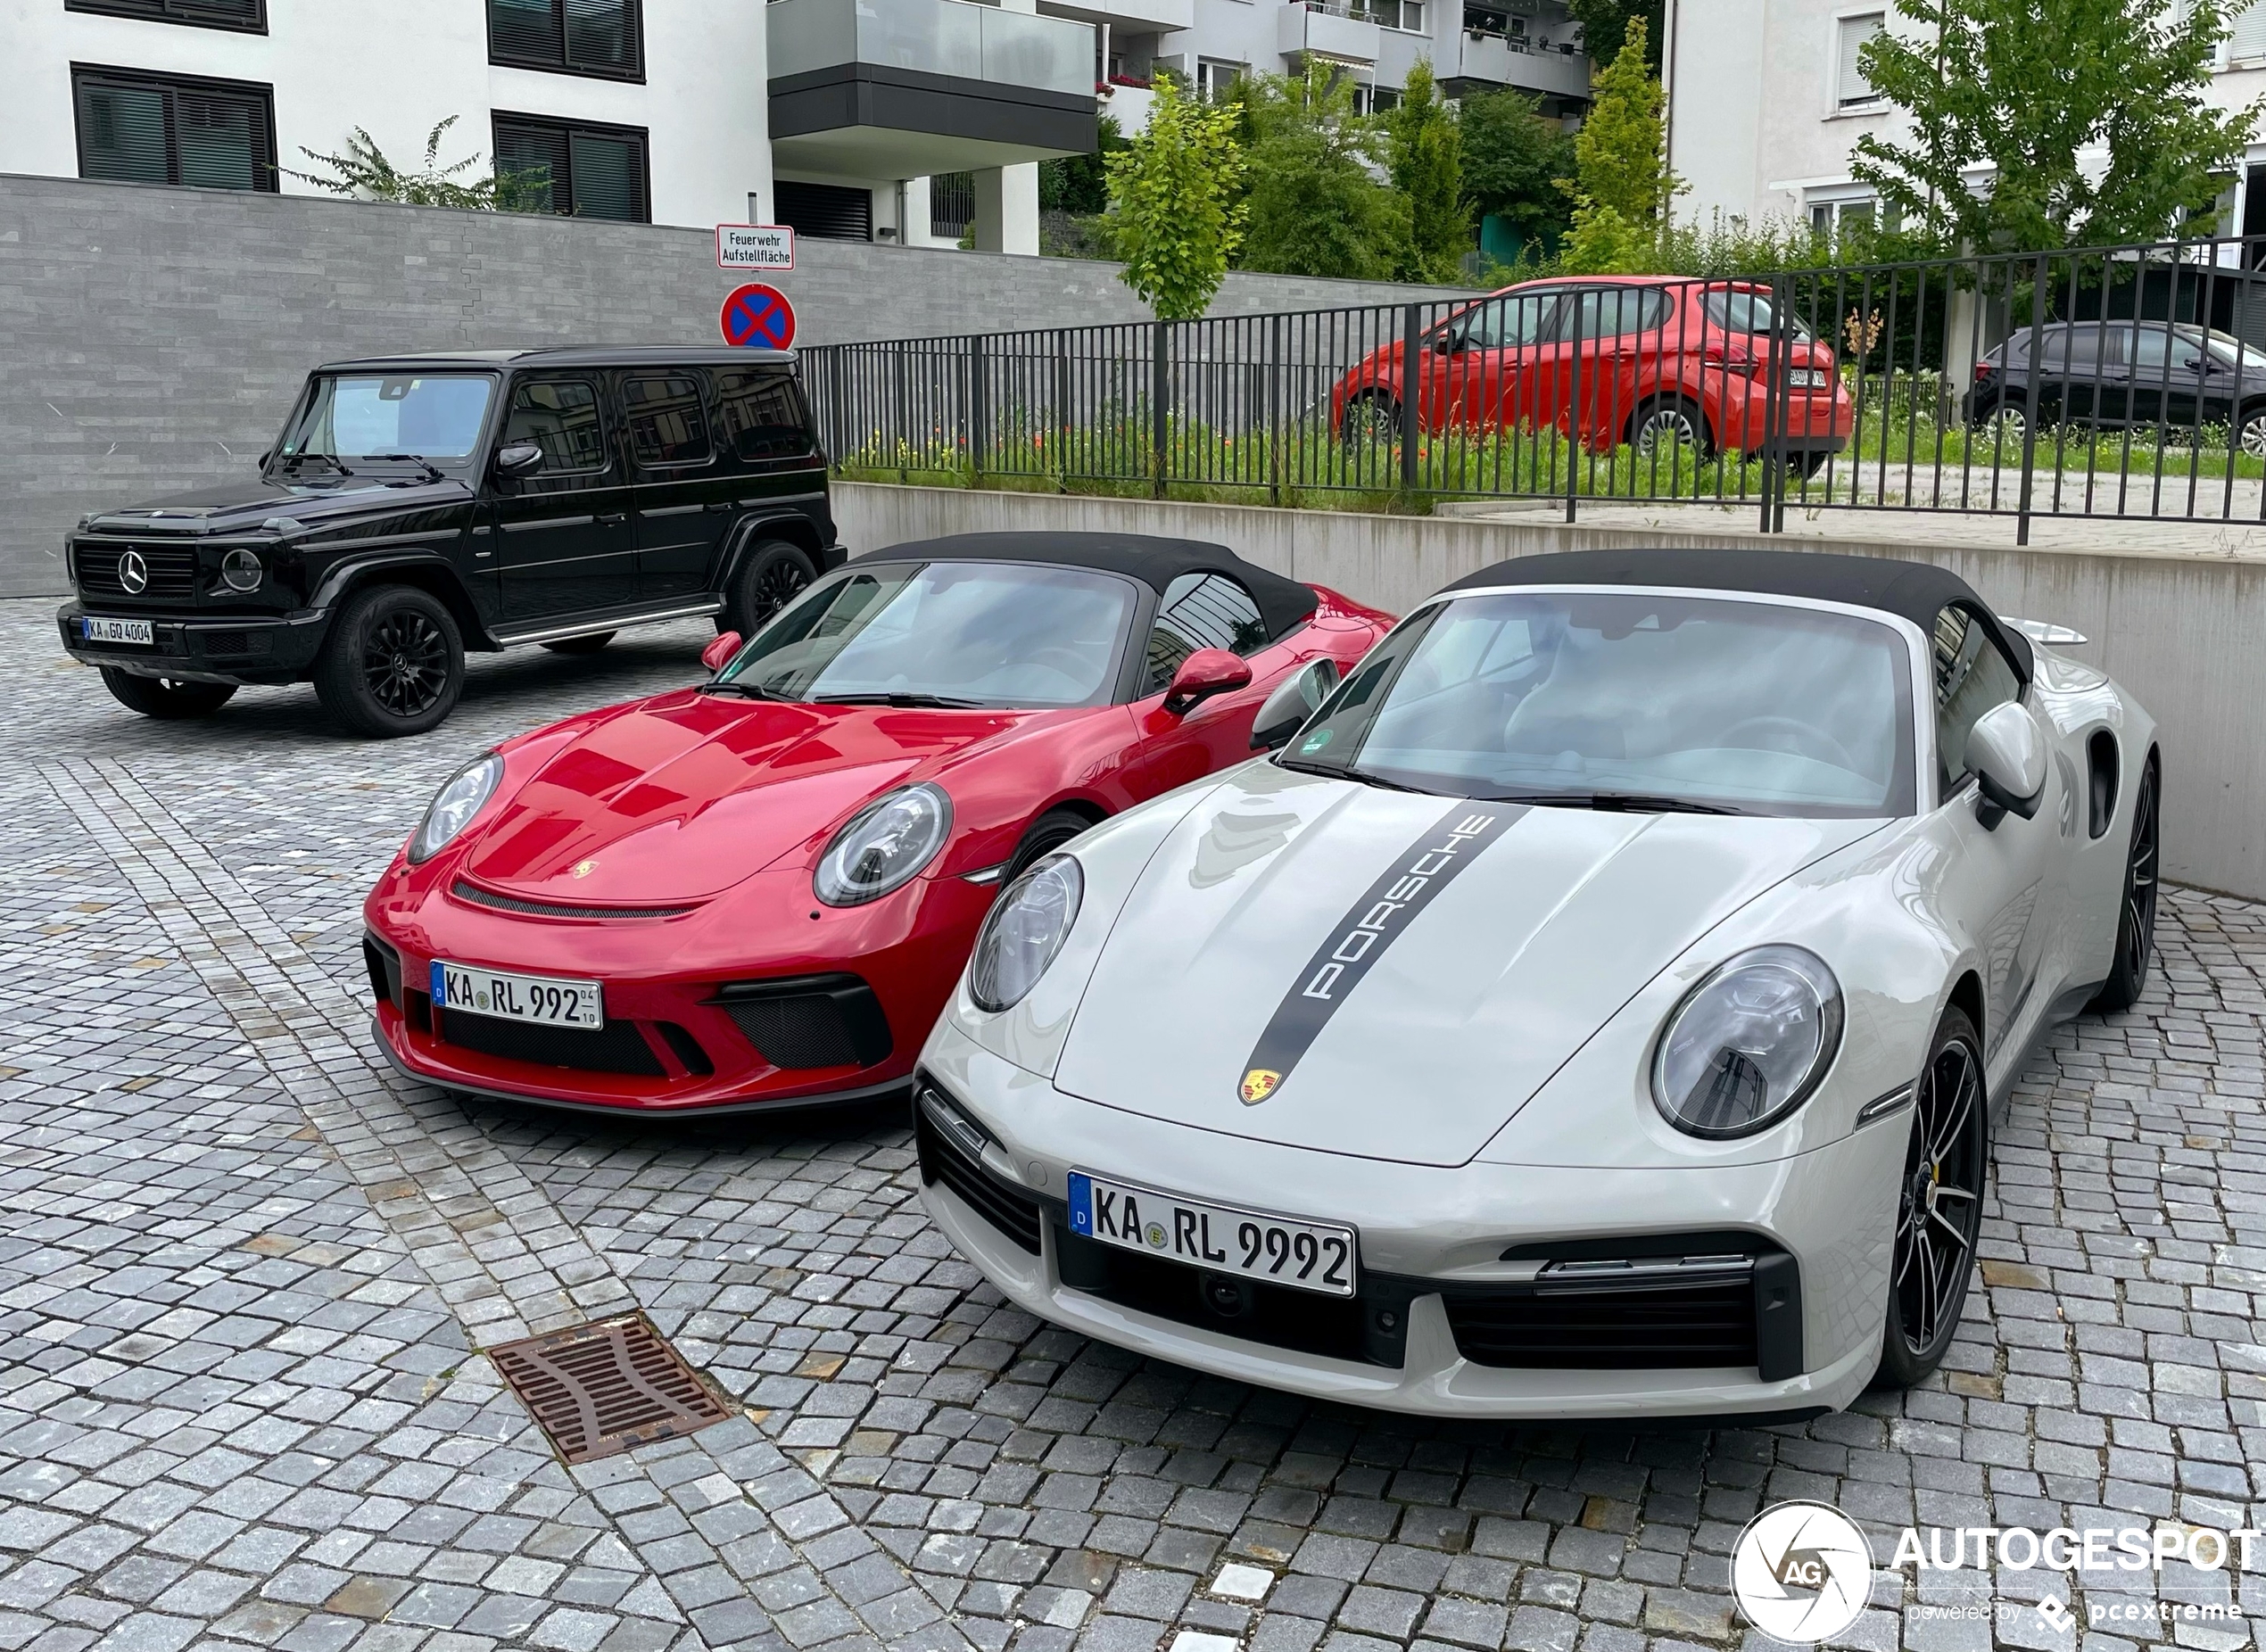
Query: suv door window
x=666, y=422
x=760, y=416
x=564, y=544
x=1200, y=611
x=1971, y=677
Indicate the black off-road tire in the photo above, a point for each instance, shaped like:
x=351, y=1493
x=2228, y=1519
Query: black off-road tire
x=1047, y=834
x=393, y=663
x=591, y=644
x=166, y=698
x=2136, y=919
x=1946, y=1169
x=771, y=576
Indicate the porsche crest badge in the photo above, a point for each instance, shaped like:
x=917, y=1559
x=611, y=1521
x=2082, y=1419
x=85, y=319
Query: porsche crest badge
x=1258, y=1084
x=582, y=869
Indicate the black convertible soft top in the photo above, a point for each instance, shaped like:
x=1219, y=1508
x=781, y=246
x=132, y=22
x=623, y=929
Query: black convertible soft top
x=1283, y=603
x=1914, y=591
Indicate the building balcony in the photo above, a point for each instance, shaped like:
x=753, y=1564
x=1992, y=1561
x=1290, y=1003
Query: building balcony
x=886, y=89
x=1128, y=17
x=1493, y=60
x=1335, y=32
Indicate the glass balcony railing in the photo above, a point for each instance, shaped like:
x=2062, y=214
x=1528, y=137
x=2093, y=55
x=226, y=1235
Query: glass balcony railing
x=952, y=37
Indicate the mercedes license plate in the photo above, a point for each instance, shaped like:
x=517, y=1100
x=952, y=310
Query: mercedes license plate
x=1311, y=1256
x=541, y=1000
x=95, y=630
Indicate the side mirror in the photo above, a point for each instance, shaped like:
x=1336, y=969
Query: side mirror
x=519, y=458
x=2006, y=749
x=264, y=457
x=1445, y=342
x=1296, y=698
x=718, y=654
x=1204, y=673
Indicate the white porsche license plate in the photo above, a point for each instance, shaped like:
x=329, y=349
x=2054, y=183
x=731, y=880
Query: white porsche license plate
x=1309, y=1256
x=541, y=1000
x=96, y=629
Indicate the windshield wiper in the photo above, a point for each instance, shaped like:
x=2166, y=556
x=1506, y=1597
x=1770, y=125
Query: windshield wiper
x=1610, y=802
x=433, y=472
x=291, y=465
x=931, y=702
x=1360, y=776
x=746, y=691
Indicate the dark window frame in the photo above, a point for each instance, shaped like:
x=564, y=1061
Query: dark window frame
x=562, y=65
x=267, y=174
x=703, y=393
x=188, y=13
x=499, y=119
x=611, y=448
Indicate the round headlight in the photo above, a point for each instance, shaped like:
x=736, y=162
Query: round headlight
x=1749, y=1044
x=241, y=570
x=454, y=806
x=884, y=846
x=1024, y=931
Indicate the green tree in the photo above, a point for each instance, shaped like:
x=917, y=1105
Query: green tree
x=1515, y=164
x=1424, y=143
x=1079, y=185
x=1173, y=216
x=1622, y=185
x=1605, y=25
x=1316, y=206
x=2025, y=86
x=365, y=170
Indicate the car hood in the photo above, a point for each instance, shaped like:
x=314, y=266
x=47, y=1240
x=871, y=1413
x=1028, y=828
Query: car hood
x=241, y=506
x=1550, y=921
x=678, y=798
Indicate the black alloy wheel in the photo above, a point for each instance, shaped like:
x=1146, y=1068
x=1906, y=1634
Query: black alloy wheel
x=393, y=663
x=774, y=574
x=1938, y=1205
x=167, y=698
x=2136, y=920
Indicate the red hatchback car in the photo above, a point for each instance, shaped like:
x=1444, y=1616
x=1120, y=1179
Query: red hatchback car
x=761, y=889
x=1621, y=359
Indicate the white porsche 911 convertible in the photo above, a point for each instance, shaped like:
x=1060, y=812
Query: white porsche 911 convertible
x=1597, y=1007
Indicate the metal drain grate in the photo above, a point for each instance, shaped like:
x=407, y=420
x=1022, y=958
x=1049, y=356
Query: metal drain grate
x=600, y=1389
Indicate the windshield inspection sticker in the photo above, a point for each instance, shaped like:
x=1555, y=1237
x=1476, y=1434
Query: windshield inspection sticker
x=1356, y=941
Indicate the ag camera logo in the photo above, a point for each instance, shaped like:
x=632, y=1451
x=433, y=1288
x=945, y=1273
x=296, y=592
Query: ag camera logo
x=1801, y=1571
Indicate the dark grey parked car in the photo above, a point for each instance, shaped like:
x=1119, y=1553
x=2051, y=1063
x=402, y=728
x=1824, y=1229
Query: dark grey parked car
x=420, y=506
x=2124, y=374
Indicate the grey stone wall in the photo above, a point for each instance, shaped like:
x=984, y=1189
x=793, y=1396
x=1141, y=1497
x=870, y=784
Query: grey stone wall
x=150, y=339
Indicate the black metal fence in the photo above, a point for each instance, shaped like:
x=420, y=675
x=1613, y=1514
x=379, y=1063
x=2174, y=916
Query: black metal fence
x=2125, y=382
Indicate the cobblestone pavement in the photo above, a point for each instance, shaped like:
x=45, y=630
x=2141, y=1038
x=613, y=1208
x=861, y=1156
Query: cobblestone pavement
x=245, y=1274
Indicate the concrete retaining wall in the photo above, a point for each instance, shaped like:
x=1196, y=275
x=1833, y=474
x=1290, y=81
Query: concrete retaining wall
x=150, y=339
x=2186, y=635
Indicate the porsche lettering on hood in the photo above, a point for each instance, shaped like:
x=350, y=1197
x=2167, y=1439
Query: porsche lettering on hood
x=1369, y=926
x=1466, y=1001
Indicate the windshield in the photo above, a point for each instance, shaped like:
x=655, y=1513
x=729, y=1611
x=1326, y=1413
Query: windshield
x=437, y=416
x=1617, y=696
x=993, y=634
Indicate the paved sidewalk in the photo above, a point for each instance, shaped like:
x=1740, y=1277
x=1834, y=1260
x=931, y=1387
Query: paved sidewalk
x=245, y=1272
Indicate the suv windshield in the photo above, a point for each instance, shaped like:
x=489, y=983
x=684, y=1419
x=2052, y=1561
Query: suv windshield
x=993, y=635
x=1617, y=699
x=437, y=416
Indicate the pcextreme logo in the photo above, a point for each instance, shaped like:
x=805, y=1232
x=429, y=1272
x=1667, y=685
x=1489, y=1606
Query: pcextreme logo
x=1801, y=1571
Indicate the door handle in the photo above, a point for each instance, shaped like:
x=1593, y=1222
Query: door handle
x=717, y=505
x=607, y=518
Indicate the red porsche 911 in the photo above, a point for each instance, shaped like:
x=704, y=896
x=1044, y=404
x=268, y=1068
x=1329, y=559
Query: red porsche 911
x=758, y=891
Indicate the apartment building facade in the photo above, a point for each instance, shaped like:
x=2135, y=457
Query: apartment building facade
x=1768, y=100
x=813, y=113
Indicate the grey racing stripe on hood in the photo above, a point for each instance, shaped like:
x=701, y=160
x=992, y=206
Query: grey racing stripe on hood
x=1370, y=925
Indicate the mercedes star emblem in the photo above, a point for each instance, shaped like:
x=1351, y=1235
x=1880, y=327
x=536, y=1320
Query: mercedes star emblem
x=133, y=573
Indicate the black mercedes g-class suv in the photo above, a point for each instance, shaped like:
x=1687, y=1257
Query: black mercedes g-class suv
x=420, y=506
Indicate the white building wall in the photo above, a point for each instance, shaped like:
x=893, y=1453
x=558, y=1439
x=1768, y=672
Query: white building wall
x=398, y=67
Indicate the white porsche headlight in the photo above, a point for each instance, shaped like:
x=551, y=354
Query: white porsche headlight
x=1748, y=1044
x=454, y=806
x=1024, y=931
x=884, y=846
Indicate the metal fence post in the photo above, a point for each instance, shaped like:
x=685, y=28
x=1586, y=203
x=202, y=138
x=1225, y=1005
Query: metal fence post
x=1573, y=419
x=2029, y=387
x=979, y=408
x=1412, y=398
x=1160, y=402
x=1777, y=376
x=1275, y=414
